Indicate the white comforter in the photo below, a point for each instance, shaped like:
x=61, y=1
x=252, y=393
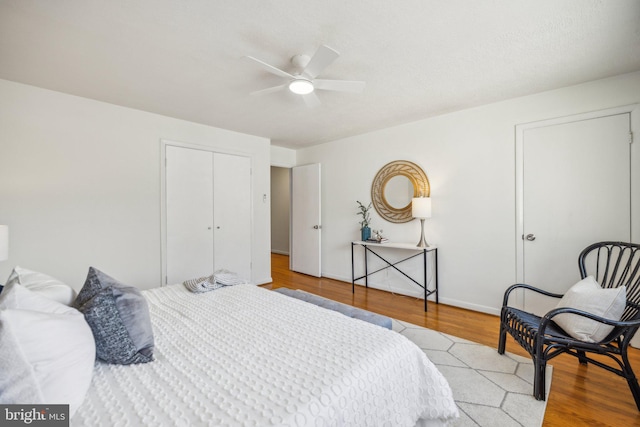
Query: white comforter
x=243, y=355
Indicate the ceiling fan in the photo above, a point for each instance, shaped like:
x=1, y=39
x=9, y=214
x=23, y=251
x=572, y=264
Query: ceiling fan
x=302, y=81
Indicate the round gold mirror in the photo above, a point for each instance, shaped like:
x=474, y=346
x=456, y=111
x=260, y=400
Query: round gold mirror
x=394, y=186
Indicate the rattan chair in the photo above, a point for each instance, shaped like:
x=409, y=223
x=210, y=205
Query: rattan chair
x=612, y=264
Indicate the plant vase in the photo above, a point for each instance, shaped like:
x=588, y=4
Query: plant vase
x=366, y=233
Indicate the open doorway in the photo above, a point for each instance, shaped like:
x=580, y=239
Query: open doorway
x=280, y=209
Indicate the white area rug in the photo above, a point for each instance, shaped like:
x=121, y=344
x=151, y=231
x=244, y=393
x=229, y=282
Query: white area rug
x=490, y=389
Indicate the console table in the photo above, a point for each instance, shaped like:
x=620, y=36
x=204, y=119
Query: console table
x=371, y=247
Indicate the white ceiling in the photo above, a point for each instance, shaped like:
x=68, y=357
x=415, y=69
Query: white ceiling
x=419, y=58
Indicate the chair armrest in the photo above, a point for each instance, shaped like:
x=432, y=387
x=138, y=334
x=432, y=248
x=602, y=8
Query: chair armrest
x=511, y=288
x=615, y=323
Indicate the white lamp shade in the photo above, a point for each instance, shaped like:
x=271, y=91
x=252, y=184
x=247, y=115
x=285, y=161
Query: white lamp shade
x=4, y=242
x=421, y=207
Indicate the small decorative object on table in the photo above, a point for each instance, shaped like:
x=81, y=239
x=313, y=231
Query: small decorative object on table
x=365, y=231
x=377, y=237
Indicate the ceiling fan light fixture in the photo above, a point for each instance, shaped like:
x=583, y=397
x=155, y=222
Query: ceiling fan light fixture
x=301, y=86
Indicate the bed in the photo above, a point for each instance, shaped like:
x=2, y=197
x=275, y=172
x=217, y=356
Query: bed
x=208, y=353
x=244, y=355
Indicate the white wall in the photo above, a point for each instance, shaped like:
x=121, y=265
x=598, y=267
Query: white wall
x=469, y=158
x=80, y=185
x=283, y=157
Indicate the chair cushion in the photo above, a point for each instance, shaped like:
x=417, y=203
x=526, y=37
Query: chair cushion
x=347, y=310
x=587, y=295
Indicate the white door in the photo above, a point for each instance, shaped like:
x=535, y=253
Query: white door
x=189, y=213
x=575, y=190
x=305, y=220
x=232, y=213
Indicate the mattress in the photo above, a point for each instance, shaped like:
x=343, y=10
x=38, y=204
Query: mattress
x=243, y=355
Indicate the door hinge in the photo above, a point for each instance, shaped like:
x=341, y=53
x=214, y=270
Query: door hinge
x=630, y=137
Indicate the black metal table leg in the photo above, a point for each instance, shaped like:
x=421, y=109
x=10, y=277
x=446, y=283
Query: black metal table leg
x=366, y=269
x=424, y=259
x=435, y=266
x=353, y=274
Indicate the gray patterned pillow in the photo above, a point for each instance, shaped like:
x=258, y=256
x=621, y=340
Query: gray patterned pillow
x=119, y=319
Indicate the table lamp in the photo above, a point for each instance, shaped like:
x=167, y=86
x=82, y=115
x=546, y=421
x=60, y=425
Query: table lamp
x=421, y=209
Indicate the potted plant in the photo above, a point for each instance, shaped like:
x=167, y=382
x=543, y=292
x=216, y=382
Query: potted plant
x=365, y=231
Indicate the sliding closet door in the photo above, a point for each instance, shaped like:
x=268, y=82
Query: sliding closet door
x=189, y=213
x=232, y=213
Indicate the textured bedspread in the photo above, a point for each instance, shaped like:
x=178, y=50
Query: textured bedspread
x=243, y=355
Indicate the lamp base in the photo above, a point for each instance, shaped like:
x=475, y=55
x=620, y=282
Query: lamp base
x=422, y=243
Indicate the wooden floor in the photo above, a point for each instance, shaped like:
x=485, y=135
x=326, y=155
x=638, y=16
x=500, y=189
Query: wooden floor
x=580, y=396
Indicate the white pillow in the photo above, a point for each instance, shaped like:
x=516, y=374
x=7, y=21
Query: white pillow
x=587, y=295
x=45, y=285
x=47, y=351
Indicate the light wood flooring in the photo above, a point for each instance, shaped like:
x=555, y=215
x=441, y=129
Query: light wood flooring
x=580, y=396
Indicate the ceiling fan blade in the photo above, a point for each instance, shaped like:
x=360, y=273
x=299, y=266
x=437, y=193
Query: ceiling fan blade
x=270, y=68
x=269, y=90
x=323, y=57
x=311, y=99
x=339, y=85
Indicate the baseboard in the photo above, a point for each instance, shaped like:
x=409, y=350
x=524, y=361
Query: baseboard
x=373, y=285
x=470, y=306
x=418, y=294
x=276, y=251
x=263, y=281
x=338, y=278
